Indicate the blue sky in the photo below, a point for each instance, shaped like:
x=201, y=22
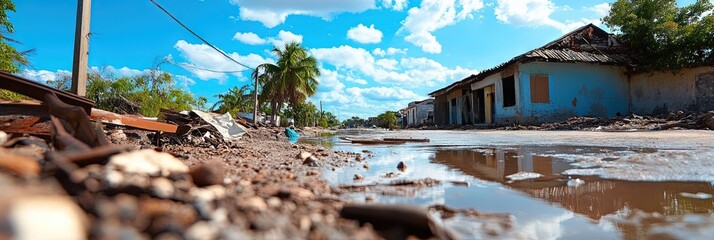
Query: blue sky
x=375, y=55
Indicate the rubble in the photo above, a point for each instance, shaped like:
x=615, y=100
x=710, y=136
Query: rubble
x=679, y=120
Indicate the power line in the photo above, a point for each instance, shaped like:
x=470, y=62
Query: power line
x=199, y=37
x=186, y=65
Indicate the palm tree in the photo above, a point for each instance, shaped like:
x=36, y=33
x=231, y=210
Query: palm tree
x=234, y=101
x=292, y=79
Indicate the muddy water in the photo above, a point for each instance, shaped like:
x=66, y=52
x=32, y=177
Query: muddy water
x=591, y=185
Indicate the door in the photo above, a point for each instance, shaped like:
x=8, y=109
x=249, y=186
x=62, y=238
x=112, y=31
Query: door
x=705, y=92
x=480, y=106
x=490, y=103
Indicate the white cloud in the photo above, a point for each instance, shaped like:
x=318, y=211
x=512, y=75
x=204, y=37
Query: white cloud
x=184, y=81
x=285, y=37
x=249, y=38
x=45, y=76
x=602, y=9
x=418, y=72
x=534, y=13
x=384, y=93
x=280, y=40
x=388, y=64
x=432, y=15
x=274, y=12
x=395, y=4
x=205, y=57
x=364, y=34
x=389, y=51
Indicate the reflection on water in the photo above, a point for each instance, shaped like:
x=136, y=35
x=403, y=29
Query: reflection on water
x=543, y=208
x=595, y=198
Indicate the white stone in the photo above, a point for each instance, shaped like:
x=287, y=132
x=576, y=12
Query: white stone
x=254, y=203
x=303, y=155
x=201, y=231
x=148, y=162
x=3, y=137
x=46, y=217
x=209, y=193
x=162, y=187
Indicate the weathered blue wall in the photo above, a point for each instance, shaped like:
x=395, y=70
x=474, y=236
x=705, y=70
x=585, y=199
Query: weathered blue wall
x=576, y=89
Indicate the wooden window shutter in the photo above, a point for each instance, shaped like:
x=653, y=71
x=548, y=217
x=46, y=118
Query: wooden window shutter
x=540, y=91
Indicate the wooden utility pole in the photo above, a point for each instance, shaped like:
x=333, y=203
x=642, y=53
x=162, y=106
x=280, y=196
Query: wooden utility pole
x=255, y=99
x=81, y=48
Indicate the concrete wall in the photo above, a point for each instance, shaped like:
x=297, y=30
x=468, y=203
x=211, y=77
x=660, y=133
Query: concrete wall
x=422, y=112
x=659, y=92
x=441, y=110
x=576, y=89
x=501, y=114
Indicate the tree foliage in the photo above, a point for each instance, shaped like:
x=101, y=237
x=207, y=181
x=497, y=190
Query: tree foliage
x=150, y=92
x=387, y=119
x=663, y=36
x=292, y=79
x=10, y=58
x=235, y=100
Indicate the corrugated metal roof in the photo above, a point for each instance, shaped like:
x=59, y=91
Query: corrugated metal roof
x=587, y=44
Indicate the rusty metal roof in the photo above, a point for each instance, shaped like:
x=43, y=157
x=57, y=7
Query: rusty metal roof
x=587, y=44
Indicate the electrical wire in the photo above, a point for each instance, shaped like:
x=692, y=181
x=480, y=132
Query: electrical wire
x=199, y=37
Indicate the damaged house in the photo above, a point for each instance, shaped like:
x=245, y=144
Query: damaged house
x=584, y=73
x=419, y=112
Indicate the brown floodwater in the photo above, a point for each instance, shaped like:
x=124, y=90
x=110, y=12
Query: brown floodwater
x=589, y=185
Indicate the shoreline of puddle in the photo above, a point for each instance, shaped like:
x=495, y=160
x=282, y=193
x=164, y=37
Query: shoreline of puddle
x=541, y=208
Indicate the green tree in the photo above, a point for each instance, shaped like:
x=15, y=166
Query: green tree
x=387, y=119
x=305, y=114
x=661, y=35
x=292, y=79
x=150, y=93
x=235, y=100
x=10, y=58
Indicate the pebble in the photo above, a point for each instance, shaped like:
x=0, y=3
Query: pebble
x=207, y=174
x=311, y=161
x=402, y=166
x=357, y=177
x=303, y=155
x=313, y=173
x=208, y=194
x=3, y=137
x=201, y=231
x=254, y=203
x=274, y=202
x=147, y=162
x=59, y=217
x=162, y=187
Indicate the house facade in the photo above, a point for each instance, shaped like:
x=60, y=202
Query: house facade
x=580, y=74
x=420, y=113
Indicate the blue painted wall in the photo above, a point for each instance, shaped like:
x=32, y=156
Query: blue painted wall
x=576, y=89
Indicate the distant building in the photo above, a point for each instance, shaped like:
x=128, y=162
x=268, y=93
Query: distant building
x=420, y=113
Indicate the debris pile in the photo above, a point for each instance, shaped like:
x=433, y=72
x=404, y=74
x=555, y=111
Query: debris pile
x=679, y=120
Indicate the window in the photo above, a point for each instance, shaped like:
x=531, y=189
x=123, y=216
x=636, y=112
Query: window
x=540, y=91
x=509, y=91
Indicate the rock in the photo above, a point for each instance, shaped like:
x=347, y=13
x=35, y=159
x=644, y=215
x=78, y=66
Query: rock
x=366, y=166
x=162, y=187
x=3, y=137
x=274, y=202
x=303, y=155
x=147, y=162
x=208, y=194
x=402, y=166
x=313, y=173
x=46, y=217
x=254, y=203
x=311, y=161
x=403, y=220
x=369, y=198
x=18, y=164
x=359, y=158
x=207, y=174
x=357, y=177
x=201, y=231
x=117, y=136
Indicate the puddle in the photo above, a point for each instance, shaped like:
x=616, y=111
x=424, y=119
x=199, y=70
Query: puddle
x=602, y=186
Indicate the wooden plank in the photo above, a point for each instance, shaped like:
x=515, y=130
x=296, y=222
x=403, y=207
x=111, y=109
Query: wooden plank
x=121, y=120
x=38, y=91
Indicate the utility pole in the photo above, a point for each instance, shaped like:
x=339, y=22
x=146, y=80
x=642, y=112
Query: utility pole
x=320, y=111
x=255, y=98
x=81, y=48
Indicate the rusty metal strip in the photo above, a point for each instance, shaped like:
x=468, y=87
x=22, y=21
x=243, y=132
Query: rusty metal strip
x=79, y=125
x=122, y=120
x=38, y=91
